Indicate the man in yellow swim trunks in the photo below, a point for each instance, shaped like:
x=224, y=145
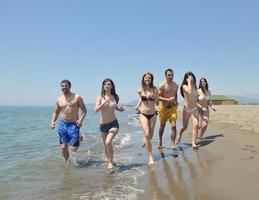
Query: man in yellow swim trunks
x=168, y=106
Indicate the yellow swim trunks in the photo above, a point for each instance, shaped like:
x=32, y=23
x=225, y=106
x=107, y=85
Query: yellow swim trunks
x=167, y=114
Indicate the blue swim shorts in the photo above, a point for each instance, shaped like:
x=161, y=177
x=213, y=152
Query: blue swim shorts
x=68, y=133
x=105, y=128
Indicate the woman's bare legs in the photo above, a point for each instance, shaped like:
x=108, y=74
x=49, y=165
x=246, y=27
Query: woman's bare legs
x=195, y=123
x=107, y=141
x=186, y=117
x=148, y=128
x=204, y=125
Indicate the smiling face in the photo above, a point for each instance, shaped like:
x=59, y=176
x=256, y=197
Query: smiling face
x=169, y=76
x=65, y=88
x=147, y=79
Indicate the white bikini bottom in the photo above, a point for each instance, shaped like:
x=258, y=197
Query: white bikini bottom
x=190, y=110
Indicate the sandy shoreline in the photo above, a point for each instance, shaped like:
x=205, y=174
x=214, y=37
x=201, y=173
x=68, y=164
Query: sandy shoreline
x=225, y=166
x=234, y=175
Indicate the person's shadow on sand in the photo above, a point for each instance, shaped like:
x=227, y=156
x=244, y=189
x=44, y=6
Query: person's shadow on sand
x=118, y=167
x=89, y=163
x=209, y=139
x=165, y=152
x=205, y=141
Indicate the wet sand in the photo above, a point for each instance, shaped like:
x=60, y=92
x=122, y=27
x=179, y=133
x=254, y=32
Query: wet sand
x=225, y=166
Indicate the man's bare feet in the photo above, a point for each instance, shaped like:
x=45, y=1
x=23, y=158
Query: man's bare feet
x=159, y=146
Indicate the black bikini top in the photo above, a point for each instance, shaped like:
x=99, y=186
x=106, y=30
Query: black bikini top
x=144, y=98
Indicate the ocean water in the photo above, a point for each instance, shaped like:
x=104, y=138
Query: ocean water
x=31, y=165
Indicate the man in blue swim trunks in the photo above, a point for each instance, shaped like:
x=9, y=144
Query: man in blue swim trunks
x=68, y=104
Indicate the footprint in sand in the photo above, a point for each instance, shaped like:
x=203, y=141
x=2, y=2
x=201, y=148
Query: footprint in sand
x=251, y=149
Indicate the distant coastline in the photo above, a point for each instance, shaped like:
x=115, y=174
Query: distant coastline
x=243, y=100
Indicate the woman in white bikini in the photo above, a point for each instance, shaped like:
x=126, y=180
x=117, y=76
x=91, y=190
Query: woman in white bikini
x=148, y=100
x=109, y=126
x=203, y=106
x=189, y=93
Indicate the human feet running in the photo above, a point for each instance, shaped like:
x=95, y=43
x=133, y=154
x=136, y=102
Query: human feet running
x=195, y=146
x=173, y=147
x=109, y=166
x=151, y=161
x=160, y=146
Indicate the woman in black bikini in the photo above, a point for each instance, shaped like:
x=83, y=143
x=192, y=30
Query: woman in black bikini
x=148, y=100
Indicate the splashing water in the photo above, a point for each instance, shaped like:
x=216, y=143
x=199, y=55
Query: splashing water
x=83, y=154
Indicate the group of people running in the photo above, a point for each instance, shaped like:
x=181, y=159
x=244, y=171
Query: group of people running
x=153, y=101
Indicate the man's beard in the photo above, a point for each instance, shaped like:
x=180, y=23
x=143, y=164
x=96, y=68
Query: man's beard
x=65, y=91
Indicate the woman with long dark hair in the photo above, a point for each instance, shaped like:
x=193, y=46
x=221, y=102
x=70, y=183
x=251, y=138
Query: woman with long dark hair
x=189, y=93
x=204, y=103
x=109, y=126
x=148, y=94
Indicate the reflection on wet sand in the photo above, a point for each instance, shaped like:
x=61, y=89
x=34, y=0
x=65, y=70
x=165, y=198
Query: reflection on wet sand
x=202, y=163
x=197, y=170
x=155, y=192
x=190, y=166
x=178, y=177
x=176, y=188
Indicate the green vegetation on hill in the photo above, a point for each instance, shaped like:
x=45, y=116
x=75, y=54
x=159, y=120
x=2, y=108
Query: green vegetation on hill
x=218, y=97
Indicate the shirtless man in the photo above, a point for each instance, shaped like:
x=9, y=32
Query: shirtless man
x=68, y=104
x=168, y=106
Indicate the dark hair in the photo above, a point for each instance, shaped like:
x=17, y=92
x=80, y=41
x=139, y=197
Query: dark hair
x=113, y=90
x=66, y=81
x=152, y=79
x=185, y=81
x=206, y=87
x=169, y=70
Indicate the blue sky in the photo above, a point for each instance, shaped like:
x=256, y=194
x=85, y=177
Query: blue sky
x=43, y=42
